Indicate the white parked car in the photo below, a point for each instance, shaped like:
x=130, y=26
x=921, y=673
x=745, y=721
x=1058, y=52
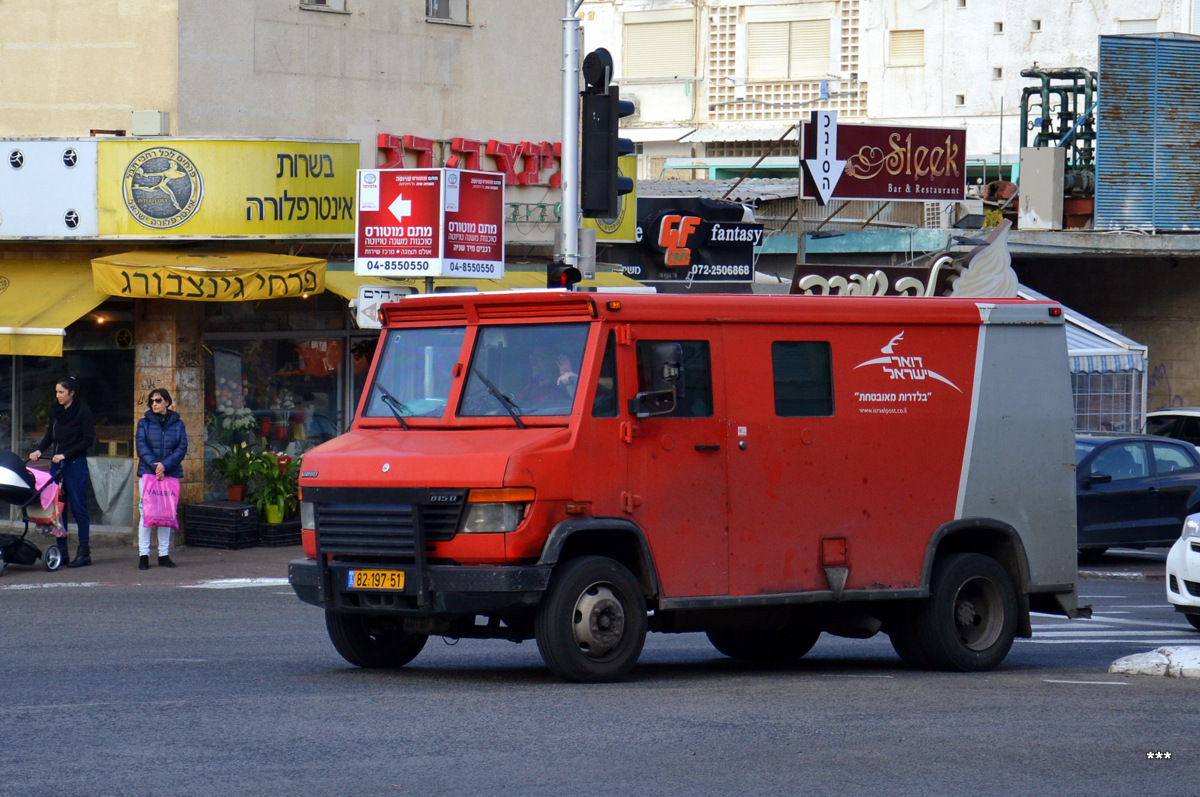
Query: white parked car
x=1183, y=571
x=1181, y=423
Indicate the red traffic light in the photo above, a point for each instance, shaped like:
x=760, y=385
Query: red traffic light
x=560, y=275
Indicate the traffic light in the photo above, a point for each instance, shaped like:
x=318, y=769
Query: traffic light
x=560, y=275
x=600, y=180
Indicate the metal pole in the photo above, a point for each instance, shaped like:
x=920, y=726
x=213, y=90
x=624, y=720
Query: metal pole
x=570, y=137
x=1000, y=155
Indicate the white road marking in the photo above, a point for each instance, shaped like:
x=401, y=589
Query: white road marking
x=1155, y=641
x=1088, y=683
x=238, y=583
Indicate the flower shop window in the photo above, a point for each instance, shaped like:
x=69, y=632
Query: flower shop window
x=279, y=394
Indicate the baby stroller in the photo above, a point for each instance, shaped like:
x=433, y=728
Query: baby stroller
x=37, y=493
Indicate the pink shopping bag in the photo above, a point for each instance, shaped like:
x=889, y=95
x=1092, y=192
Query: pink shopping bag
x=160, y=501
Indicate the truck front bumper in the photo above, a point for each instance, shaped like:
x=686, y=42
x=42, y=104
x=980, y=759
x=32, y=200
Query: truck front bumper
x=448, y=590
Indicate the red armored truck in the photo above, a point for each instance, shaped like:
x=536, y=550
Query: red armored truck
x=581, y=468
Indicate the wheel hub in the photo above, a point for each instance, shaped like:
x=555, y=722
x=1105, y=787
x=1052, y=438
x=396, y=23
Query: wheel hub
x=599, y=620
x=978, y=614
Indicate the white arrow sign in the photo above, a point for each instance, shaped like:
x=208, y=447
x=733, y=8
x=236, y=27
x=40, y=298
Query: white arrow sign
x=825, y=169
x=400, y=208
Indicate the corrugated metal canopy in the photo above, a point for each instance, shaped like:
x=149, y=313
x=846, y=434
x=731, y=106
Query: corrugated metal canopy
x=750, y=191
x=706, y=134
x=642, y=134
x=1094, y=348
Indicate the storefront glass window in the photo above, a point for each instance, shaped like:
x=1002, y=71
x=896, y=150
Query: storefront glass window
x=98, y=352
x=279, y=376
x=7, y=410
x=277, y=394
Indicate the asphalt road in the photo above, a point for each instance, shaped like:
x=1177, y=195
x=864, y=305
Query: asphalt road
x=174, y=689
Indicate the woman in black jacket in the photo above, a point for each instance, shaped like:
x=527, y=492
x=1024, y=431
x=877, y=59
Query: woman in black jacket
x=161, y=446
x=71, y=434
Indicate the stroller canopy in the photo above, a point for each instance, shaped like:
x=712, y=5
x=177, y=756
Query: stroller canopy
x=16, y=482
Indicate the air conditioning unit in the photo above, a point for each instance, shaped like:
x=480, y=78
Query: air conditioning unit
x=150, y=123
x=637, y=105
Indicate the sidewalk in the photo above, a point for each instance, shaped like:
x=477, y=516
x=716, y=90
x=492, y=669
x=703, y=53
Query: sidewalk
x=115, y=562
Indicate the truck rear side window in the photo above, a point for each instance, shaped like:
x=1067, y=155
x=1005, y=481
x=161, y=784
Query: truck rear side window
x=695, y=391
x=803, y=377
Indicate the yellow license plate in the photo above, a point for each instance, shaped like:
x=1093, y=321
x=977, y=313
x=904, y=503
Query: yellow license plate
x=376, y=579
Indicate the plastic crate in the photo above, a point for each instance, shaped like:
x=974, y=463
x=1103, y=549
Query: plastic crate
x=208, y=537
x=231, y=515
x=277, y=535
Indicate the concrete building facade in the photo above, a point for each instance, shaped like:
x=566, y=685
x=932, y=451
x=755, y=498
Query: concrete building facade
x=411, y=83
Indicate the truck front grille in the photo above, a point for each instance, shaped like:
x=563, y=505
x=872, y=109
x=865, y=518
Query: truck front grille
x=383, y=530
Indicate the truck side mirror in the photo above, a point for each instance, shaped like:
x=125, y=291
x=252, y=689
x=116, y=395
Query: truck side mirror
x=666, y=382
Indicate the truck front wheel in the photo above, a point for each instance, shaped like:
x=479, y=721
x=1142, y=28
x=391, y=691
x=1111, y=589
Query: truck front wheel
x=372, y=642
x=970, y=619
x=591, y=624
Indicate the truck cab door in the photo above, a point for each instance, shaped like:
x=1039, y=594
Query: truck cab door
x=676, y=461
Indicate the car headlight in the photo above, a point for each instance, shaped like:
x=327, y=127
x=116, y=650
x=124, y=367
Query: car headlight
x=1191, y=526
x=495, y=511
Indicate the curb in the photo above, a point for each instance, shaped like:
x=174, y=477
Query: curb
x=1182, y=661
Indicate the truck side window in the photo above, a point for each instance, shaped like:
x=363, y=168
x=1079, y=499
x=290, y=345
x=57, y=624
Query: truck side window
x=695, y=392
x=604, y=405
x=803, y=377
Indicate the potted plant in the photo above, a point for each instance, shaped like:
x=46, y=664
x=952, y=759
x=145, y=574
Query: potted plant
x=235, y=464
x=275, y=485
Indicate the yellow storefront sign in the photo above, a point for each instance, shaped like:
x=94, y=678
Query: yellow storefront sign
x=622, y=228
x=179, y=188
x=207, y=276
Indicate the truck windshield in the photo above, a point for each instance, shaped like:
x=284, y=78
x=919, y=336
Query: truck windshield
x=534, y=366
x=416, y=366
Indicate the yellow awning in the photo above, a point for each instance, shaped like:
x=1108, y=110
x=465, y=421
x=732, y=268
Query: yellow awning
x=39, y=299
x=347, y=283
x=207, y=275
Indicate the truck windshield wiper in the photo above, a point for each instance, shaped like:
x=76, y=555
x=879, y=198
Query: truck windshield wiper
x=504, y=400
x=394, y=405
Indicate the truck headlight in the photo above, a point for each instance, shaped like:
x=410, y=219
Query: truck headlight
x=495, y=511
x=308, y=515
x=1191, y=526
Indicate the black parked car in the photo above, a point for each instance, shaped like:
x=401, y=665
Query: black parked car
x=1134, y=491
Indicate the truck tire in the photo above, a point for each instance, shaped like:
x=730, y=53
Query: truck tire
x=902, y=631
x=775, y=646
x=970, y=619
x=372, y=642
x=591, y=624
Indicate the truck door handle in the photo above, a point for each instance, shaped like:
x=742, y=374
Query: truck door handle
x=700, y=447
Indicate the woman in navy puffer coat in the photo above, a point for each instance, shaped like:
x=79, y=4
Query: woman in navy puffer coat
x=161, y=447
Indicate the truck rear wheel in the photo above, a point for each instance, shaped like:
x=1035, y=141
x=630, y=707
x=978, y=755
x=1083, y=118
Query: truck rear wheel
x=970, y=619
x=372, y=642
x=774, y=646
x=591, y=624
